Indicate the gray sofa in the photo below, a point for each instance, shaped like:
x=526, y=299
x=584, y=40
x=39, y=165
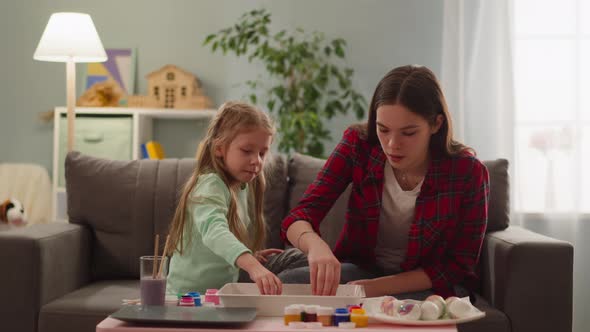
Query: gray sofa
x=68, y=277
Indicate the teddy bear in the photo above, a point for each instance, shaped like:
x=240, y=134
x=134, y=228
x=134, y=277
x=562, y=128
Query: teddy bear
x=105, y=93
x=12, y=214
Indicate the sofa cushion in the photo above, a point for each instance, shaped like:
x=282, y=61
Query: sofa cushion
x=304, y=169
x=275, y=199
x=302, y=172
x=84, y=308
x=125, y=203
x=499, y=205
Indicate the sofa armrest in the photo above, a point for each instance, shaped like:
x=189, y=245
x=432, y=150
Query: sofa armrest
x=39, y=264
x=529, y=277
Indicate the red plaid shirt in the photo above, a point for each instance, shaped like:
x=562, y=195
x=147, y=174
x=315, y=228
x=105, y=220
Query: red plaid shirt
x=450, y=220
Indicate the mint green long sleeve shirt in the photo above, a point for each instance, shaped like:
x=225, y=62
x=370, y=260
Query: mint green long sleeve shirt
x=209, y=260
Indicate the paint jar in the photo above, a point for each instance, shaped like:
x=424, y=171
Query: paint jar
x=352, y=307
x=211, y=296
x=359, y=317
x=311, y=313
x=325, y=315
x=186, y=301
x=196, y=298
x=341, y=315
x=292, y=314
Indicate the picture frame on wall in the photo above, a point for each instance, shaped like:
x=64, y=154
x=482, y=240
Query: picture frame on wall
x=119, y=67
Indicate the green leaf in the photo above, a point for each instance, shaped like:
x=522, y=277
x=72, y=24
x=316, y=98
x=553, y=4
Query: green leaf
x=209, y=38
x=339, y=52
x=270, y=105
x=280, y=35
x=253, y=99
x=359, y=110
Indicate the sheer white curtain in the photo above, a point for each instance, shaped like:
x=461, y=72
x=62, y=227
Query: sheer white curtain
x=552, y=61
x=516, y=75
x=477, y=74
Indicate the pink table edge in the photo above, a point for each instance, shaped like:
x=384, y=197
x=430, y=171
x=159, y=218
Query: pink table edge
x=261, y=324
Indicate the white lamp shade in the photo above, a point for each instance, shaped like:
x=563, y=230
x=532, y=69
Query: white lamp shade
x=70, y=36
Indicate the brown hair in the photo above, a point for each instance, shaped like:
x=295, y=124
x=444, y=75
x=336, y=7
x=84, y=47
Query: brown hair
x=416, y=88
x=231, y=119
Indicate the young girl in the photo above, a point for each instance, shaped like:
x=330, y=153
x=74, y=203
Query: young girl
x=417, y=211
x=222, y=204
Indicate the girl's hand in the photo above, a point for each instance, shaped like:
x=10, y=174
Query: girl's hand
x=267, y=282
x=370, y=285
x=324, y=269
x=262, y=255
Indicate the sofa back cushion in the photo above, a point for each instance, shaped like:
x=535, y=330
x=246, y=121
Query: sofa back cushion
x=304, y=169
x=125, y=203
x=302, y=172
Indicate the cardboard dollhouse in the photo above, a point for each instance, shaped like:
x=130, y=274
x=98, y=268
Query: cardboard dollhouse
x=171, y=87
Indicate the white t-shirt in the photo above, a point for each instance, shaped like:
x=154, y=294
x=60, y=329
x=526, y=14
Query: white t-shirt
x=397, y=214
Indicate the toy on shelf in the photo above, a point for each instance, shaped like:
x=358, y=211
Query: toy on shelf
x=152, y=150
x=172, y=87
x=101, y=94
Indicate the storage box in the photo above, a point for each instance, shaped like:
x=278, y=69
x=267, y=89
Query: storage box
x=104, y=136
x=247, y=295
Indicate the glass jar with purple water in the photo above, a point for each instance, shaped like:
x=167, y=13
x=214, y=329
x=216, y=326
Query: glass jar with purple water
x=153, y=273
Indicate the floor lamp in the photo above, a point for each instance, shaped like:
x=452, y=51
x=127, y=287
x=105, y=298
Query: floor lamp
x=70, y=38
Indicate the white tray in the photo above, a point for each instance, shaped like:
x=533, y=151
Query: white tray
x=247, y=295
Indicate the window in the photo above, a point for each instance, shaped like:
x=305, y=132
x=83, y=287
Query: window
x=552, y=95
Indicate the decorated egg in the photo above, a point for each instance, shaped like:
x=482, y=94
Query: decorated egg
x=430, y=311
x=408, y=310
x=450, y=299
x=439, y=302
x=388, y=305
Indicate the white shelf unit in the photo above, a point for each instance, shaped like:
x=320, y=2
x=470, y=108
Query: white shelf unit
x=141, y=132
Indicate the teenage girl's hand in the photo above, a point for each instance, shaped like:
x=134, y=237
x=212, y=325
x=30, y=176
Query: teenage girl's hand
x=267, y=282
x=324, y=268
x=262, y=255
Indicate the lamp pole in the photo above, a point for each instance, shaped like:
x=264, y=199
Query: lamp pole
x=71, y=99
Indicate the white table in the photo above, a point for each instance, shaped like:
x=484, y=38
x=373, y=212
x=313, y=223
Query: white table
x=261, y=324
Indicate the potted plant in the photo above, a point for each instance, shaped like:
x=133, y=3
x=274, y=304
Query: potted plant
x=307, y=85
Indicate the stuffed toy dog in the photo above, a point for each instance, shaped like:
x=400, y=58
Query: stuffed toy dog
x=12, y=214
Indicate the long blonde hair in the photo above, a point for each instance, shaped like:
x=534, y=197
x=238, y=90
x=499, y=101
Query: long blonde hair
x=232, y=119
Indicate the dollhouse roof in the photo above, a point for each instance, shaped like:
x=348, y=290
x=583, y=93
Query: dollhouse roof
x=168, y=68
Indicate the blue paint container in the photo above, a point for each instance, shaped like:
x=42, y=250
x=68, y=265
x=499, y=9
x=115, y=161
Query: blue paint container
x=341, y=315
